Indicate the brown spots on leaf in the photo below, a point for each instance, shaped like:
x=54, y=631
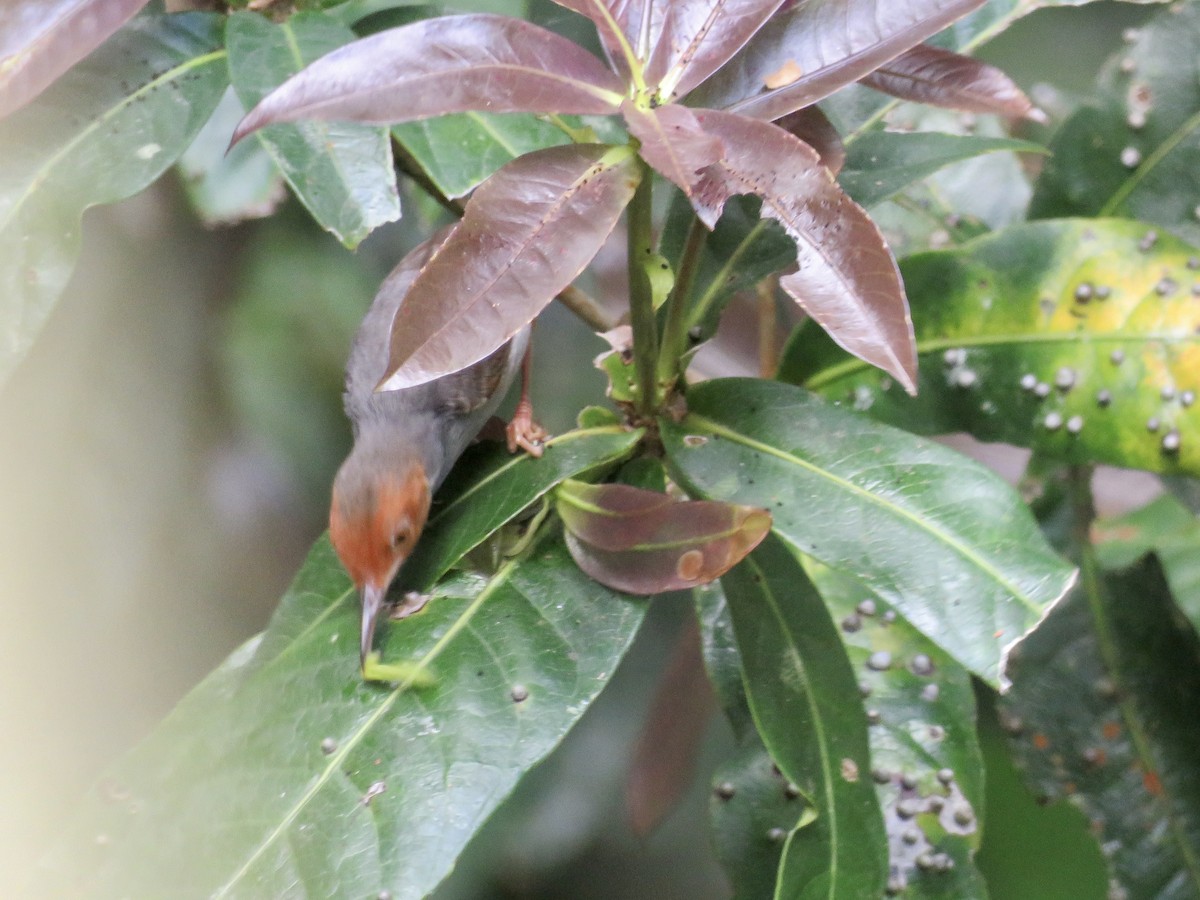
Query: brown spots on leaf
x=1041, y=742
x=1152, y=783
x=690, y=566
x=1111, y=730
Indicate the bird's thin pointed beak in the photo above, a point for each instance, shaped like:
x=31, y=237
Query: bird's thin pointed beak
x=372, y=602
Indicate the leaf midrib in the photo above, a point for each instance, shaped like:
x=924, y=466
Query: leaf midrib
x=897, y=511
x=336, y=759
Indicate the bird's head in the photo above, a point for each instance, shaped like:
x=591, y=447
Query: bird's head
x=377, y=514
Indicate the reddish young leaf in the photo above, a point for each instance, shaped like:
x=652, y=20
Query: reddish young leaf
x=942, y=78
x=625, y=27
x=444, y=65
x=810, y=50
x=846, y=278
x=527, y=232
x=673, y=143
x=644, y=542
x=41, y=40
x=700, y=36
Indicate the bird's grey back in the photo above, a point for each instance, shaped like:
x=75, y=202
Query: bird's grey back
x=455, y=406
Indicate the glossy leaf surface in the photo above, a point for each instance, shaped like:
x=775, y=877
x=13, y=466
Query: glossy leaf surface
x=329, y=787
x=940, y=77
x=806, y=706
x=925, y=758
x=809, y=50
x=1134, y=151
x=104, y=132
x=698, y=37
x=846, y=278
x=528, y=231
x=491, y=486
x=1103, y=712
x=626, y=27
x=341, y=172
x=41, y=39
x=445, y=65
x=882, y=163
x=673, y=142
x=646, y=542
x=1086, y=349
x=873, y=500
x=461, y=150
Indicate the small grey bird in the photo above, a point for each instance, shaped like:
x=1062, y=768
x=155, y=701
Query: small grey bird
x=406, y=441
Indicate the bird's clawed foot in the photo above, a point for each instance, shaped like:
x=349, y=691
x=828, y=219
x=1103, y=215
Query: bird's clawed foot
x=524, y=433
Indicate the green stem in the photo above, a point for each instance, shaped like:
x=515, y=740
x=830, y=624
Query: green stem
x=641, y=299
x=675, y=329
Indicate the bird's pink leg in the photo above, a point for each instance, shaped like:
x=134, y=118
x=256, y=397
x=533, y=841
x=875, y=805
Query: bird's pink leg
x=522, y=431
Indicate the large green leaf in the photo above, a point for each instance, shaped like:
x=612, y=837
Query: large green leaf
x=1171, y=532
x=103, y=132
x=925, y=757
x=1135, y=150
x=1103, y=712
x=881, y=163
x=492, y=486
x=936, y=535
x=1077, y=338
x=287, y=776
x=459, y=151
x=805, y=702
x=342, y=172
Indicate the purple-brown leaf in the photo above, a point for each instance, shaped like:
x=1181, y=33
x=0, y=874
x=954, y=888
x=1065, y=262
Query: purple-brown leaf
x=846, y=278
x=942, y=78
x=624, y=26
x=700, y=36
x=41, y=39
x=810, y=50
x=527, y=232
x=644, y=542
x=444, y=65
x=673, y=143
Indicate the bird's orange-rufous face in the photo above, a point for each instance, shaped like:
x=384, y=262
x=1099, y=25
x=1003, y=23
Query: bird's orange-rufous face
x=374, y=531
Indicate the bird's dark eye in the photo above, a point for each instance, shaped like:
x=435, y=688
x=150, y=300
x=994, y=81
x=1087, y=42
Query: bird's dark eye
x=400, y=538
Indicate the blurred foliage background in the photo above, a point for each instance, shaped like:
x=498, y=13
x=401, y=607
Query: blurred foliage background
x=164, y=466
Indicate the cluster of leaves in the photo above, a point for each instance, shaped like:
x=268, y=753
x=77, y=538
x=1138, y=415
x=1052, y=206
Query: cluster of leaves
x=850, y=576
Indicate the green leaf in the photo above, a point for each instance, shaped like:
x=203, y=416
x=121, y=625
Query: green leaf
x=1165, y=528
x=103, y=132
x=742, y=250
x=227, y=187
x=1135, y=150
x=1103, y=712
x=882, y=163
x=926, y=761
x=459, y=151
x=936, y=535
x=490, y=486
x=752, y=810
x=341, y=172
x=324, y=786
x=1077, y=338
x=806, y=706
